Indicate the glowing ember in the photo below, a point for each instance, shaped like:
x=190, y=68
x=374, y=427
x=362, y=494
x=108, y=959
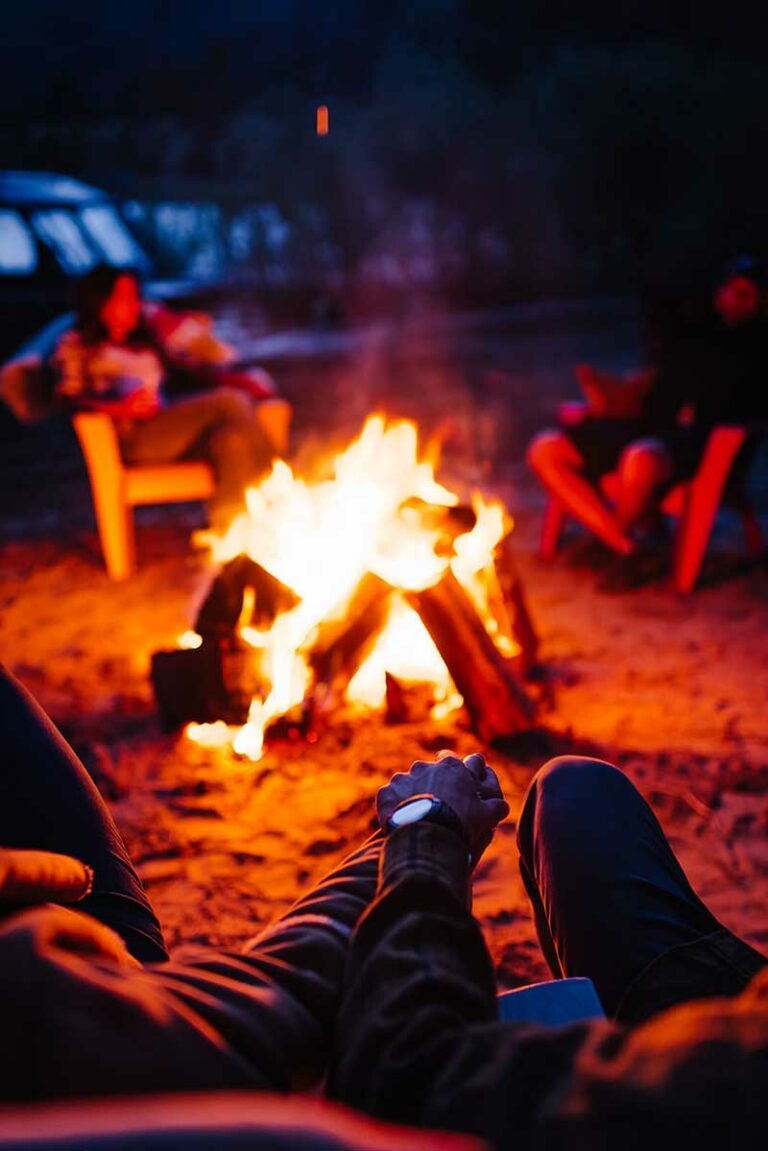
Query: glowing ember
x=379, y=513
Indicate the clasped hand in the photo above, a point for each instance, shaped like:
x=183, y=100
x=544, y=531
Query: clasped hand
x=469, y=787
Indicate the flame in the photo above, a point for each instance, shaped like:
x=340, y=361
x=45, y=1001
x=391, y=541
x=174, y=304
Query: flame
x=189, y=640
x=405, y=650
x=321, y=538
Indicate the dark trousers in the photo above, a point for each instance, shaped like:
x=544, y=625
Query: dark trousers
x=611, y=901
x=49, y=802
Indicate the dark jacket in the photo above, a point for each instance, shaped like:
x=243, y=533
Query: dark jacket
x=419, y=1040
x=81, y=1017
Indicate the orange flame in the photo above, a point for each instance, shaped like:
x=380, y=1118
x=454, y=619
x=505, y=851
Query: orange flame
x=321, y=539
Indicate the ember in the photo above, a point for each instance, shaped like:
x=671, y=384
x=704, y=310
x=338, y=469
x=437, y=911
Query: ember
x=360, y=591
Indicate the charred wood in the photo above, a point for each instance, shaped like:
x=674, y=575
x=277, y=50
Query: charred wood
x=497, y=703
x=518, y=616
x=223, y=606
x=204, y=684
x=340, y=647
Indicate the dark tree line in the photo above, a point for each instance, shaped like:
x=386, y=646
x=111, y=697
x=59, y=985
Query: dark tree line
x=560, y=147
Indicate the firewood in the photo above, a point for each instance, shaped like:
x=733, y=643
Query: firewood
x=497, y=704
x=298, y=725
x=408, y=701
x=450, y=522
x=214, y=681
x=340, y=646
x=223, y=606
x=519, y=622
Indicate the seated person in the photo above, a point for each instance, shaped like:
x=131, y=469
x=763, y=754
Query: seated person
x=91, y=1002
x=121, y=358
x=404, y=1008
x=651, y=430
x=418, y=1040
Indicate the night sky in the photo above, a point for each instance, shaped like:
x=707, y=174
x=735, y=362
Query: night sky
x=100, y=51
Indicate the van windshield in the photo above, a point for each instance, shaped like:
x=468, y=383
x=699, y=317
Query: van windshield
x=84, y=237
x=115, y=243
x=18, y=250
x=63, y=235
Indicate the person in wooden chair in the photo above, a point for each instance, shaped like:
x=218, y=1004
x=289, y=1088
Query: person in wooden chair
x=123, y=357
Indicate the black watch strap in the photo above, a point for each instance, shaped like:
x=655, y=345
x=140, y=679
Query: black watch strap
x=437, y=812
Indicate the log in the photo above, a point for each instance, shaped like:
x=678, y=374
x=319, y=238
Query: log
x=340, y=647
x=408, y=701
x=214, y=681
x=450, y=522
x=498, y=705
x=298, y=725
x=223, y=606
x=520, y=624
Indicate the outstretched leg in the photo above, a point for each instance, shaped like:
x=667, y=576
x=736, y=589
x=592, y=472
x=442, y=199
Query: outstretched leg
x=220, y=426
x=50, y=803
x=644, y=468
x=560, y=467
x=610, y=898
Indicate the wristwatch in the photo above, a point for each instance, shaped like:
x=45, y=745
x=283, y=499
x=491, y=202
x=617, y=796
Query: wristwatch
x=429, y=808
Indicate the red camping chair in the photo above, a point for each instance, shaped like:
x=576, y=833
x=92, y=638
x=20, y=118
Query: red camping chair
x=693, y=504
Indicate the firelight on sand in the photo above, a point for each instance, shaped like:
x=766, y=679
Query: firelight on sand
x=376, y=514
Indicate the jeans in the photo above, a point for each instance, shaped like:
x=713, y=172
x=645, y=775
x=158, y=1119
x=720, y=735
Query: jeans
x=219, y=426
x=611, y=901
x=49, y=802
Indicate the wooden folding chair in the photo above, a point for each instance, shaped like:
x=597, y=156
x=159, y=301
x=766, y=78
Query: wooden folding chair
x=117, y=488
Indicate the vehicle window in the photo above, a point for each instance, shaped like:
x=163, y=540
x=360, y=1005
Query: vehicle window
x=111, y=237
x=18, y=250
x=62, y=233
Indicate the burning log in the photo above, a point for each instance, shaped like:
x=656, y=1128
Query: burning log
x=214, y=681
x=521, y=626
x=341, y=646
x=497, y=704
x=408, y=702
x=298, y=725
x=223, y=606
x=451, y=522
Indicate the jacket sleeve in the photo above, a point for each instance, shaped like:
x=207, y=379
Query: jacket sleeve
x=419, y=1040
x=76, y=1022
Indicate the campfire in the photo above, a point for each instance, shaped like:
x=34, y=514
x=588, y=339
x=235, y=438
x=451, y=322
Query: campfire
x=374, y=588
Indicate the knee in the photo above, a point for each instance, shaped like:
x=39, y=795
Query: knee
x=645, y=461
x=571, y=774
x=233, y=406
x=545, y=450
x=228, y=441
x=562, y=788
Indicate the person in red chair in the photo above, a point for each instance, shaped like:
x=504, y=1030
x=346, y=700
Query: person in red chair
x=651, y=429
x=121, y=358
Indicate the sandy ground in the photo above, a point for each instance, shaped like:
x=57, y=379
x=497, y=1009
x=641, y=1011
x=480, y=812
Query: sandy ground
x=671, y=689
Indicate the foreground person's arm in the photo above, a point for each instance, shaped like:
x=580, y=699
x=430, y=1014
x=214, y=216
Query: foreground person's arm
x=82, y=1017
x=419, y=1041
x=418, y=1038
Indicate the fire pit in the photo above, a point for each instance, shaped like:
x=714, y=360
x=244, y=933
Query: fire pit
x=374, y=588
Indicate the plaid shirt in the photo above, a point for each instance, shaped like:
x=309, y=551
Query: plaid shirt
x=419, y=1041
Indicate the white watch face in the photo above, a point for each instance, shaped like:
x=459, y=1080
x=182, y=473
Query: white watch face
x=411, y=812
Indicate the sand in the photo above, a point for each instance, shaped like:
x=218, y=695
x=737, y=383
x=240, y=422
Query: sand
x=671, y=689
